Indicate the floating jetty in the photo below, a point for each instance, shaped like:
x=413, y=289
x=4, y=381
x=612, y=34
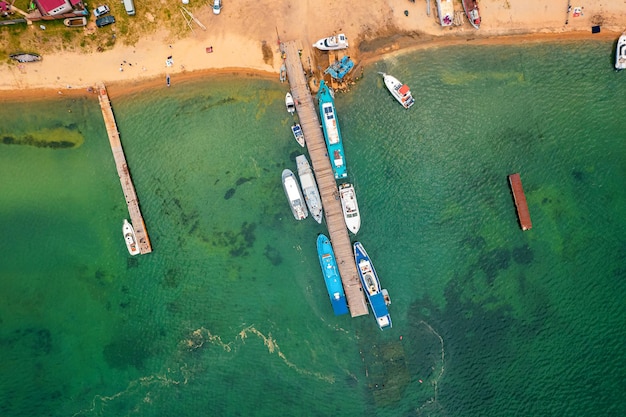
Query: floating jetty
x=338, y=233
x=122, y=171
x=520, y=201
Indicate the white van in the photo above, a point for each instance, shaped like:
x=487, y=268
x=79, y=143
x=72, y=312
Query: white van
x=130, y=7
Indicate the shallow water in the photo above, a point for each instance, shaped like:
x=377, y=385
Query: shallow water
x=229, y=315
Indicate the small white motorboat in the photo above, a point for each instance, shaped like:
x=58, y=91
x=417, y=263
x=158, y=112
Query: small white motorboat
x=620, y=53
x=332, y=43
x=291, y=105
x=130, y=238
x=350, y=207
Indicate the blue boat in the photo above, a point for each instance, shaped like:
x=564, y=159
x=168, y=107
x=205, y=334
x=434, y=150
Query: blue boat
x=331, y=275
x=340, y=68
x=377, y=297
x=332, y=133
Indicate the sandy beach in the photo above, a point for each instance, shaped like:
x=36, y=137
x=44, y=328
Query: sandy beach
x=244, y=39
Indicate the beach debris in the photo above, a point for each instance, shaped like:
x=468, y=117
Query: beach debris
x=191, y=17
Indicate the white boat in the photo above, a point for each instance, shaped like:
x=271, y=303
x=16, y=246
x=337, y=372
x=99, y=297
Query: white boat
x=130, y=238
x=400, y=91
x=298, y=135
x=309, y=188
x=294, y=195
x=620, y=53
x=445, y=9
x=350, y=207
x=377, y=297
x=291, y=106
x=332, y=43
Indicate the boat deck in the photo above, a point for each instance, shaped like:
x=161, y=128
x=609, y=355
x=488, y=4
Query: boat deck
x=520, y=201
x=122, y=171
x=338, y=233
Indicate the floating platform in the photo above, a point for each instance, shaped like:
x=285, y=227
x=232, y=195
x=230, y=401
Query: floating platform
x=520, y=201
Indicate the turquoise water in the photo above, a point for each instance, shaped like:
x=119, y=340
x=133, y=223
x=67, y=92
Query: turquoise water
x=229, y=315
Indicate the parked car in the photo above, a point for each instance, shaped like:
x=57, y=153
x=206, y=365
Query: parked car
x=217, y=6
x=101, y=10
x=105, y=20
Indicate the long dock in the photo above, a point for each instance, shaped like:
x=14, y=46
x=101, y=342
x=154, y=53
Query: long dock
x=520, y=201
x=122, y=171
x=338, y=233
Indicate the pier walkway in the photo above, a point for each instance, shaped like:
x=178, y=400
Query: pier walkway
x=122, y=171
x=338, y=233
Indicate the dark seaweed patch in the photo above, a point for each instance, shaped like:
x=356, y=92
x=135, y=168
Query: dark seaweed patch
x=229, y=193
x=273, y=255
x=237, y=242
x=243, y=180
x=128, y=351
x=493, y=261
x=31, y=141
x=523, y=255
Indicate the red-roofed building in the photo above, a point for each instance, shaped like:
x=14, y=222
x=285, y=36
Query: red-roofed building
x=54, y=7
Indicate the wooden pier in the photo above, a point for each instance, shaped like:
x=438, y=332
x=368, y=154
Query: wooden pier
x=122, y=171
x=338, y=233
x=520, y=201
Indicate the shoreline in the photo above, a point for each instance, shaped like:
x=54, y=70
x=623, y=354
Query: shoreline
x=386, y=47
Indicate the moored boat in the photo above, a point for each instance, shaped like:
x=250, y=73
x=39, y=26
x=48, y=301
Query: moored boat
x=350, y=207
x=294, y=195
x=401, y=92
x=445, y=10
x=377, y=297
x=75, y=22
x=620, y=53
x=26, y=57
x=298, y=135
x=472, y=13
x=309, y=188
x=332, y=43
x=332, y=133
x=332, y=279
x=291, y=105
x=129, y=238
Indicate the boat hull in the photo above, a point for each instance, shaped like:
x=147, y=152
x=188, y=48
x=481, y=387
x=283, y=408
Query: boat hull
x=289, y=103
x=298, y=134
x=445, y=9
x=26, y=57
x=376, y=296
x=399, y=91
x=75, y=22
x=129, y=238
x=332, y=133
x=620, y=53
x=294, y=195
x=350, y=207
x=334, y=286
x=332, y=43
x=309, y=188
x=472, y=13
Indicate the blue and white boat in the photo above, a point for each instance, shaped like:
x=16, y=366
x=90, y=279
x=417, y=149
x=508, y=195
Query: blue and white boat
x=332, y=134
x=331, y=275
x=377, y=297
